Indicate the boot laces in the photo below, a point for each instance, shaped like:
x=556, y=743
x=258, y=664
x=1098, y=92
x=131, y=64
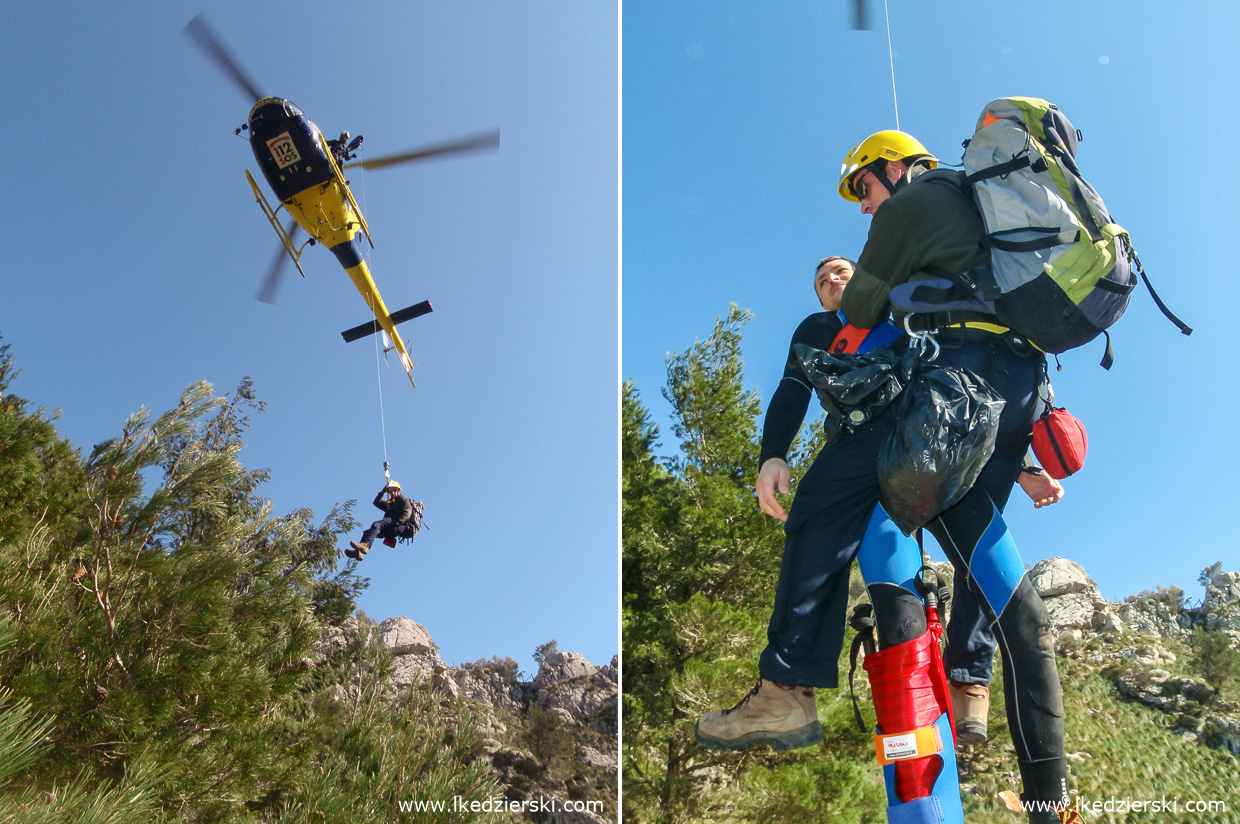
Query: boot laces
x=745, y=700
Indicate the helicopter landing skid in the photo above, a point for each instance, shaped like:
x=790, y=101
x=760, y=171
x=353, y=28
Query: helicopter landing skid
x=293, y=251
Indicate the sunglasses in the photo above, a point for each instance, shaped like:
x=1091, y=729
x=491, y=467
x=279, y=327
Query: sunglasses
x=858, y=186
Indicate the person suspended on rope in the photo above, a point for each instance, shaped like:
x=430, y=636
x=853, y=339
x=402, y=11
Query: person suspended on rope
x=402, y=519
x=831, y=522
x=925, y=221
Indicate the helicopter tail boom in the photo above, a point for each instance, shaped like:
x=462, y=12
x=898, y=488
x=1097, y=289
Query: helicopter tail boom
x=399, y=316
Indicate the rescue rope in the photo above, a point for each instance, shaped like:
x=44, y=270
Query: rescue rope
x=378, y=343
x=891, y=57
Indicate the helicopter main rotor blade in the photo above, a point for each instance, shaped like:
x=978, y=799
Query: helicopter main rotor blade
x=198, y=30
x=489, y=140
x=267, y=293
x=859, y=17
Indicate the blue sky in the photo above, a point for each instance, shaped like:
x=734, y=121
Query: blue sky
x=737, y=117
x=136, y=251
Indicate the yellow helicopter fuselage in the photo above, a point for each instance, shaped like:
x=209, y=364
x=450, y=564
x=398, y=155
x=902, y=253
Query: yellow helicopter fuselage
x=298, y=165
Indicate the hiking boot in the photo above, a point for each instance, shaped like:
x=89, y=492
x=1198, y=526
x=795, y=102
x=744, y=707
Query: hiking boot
x=970, y=704
x=784, y=717
x=357, y=550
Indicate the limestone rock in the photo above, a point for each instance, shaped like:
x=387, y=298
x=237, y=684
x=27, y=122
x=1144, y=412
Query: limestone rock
x=405, y=637
x=490, y=682
x=584, y=698
x=1071, y=599
x=1221, y=608
x=1074, y=609
x=489, y=746
x=573, y=688
x=411, y=670
x=1150, y=655
x=1058, y=576
x=1223, y=733
x=562, y=666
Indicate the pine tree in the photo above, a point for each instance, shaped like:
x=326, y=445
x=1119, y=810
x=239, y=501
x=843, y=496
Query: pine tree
x=158, y=641
x=700, y=564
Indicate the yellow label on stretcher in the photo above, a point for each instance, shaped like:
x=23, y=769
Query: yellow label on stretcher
x=905, y=745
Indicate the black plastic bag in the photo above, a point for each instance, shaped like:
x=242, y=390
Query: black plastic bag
x=945, y=433
x=854, y=389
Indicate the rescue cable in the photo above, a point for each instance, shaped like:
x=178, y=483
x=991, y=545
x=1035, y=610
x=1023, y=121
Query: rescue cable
x=378, y=354
x=891, y=58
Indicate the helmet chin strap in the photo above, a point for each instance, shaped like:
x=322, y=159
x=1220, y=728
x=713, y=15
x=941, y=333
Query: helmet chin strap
x=882, y=175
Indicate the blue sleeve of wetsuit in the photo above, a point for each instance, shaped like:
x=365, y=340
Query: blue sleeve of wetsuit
x=789, y=403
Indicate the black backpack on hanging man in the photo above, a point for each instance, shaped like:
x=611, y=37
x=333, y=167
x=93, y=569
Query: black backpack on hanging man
x=410, y=527
x=1061, y=271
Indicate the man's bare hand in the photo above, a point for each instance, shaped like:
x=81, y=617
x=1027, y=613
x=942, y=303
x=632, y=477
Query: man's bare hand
x=774, y=475
x=1041, y=488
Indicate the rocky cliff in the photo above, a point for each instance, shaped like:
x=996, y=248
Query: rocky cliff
x=552, y=739
x=1131, y=642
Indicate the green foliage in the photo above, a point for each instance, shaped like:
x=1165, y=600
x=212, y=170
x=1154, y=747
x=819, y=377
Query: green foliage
x=158, y=629
x=824, y=787
x=700, y=562
x=41, y=475
x=549, y=740
x=544, y=651
x=370, y=761
x=1206, y=578
x=1118, y=749
x=24, y=740
x=1171, y=597
x=1215, y=658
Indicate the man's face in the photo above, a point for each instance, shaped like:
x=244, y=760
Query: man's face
x=829, y=283
x=870, y=190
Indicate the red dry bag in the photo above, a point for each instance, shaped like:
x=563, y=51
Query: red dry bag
x=1059, y=442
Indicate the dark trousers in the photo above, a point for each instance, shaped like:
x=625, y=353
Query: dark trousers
x=382, y=528
x=828, y=521
x=830, y=524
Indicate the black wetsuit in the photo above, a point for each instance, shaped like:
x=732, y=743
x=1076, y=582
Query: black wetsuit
x=931, y=225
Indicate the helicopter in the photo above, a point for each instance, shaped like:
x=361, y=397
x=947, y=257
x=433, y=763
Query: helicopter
x=305, y=172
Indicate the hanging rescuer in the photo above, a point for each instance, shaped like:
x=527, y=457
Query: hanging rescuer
x=402, y=518
x=923, y=217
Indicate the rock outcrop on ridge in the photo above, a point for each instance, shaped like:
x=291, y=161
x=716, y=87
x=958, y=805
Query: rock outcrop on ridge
x=1131, y=638
x=552, y=739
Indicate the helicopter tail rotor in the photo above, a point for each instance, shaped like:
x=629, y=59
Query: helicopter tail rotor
x=198, y=31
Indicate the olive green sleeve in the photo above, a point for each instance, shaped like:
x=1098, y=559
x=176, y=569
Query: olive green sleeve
x=865, y=300
x=926, y=224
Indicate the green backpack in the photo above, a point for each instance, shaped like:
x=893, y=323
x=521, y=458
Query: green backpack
x=1061, y=269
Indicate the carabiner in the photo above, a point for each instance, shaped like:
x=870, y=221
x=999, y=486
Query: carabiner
x=920, y=340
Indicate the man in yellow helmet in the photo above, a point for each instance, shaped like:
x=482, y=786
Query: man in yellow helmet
x=926, y=228
x=892, y=158
x=401, y=519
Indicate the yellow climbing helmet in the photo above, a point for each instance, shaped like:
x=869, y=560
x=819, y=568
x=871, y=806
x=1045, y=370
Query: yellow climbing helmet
x=392, y=485
x=885, y=145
